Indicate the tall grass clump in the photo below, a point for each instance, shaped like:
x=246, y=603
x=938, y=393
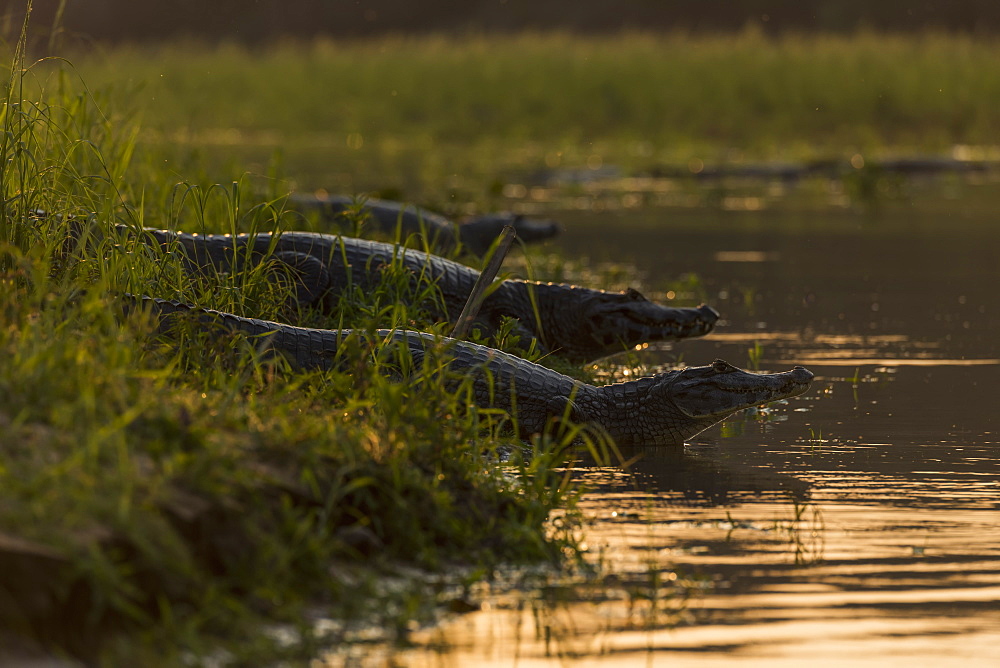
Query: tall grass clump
x=167, y=499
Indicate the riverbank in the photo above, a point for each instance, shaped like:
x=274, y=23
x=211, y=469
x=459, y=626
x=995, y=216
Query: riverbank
x=162, y=503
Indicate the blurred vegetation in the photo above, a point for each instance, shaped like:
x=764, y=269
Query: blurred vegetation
x=266, y=20
x=441, y=119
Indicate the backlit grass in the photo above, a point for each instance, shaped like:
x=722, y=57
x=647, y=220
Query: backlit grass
x=168, y=499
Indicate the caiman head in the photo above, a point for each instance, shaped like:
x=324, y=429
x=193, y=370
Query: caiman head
x=683, y=403
x=479, y=232
x=614, y=321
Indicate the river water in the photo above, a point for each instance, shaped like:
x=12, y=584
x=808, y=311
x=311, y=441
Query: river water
x=858, y=524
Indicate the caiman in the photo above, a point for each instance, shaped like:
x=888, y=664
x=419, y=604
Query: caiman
x=475, y=234
x=664, y=409
x=580, y=324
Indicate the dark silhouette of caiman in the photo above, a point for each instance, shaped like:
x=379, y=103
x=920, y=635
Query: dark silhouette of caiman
x=475, y=234
x=577, y=323
x=665, y=409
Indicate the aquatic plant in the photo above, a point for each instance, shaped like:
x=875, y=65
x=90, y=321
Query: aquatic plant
x=754, y=356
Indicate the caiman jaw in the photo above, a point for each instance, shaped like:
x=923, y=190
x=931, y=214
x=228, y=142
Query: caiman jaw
x=720, y=389
x=638, y=320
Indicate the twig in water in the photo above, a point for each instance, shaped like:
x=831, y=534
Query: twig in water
x=475, y=301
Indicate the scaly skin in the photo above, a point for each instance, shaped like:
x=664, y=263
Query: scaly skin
x=661, y=410
x=443, y=235
x=580, y=324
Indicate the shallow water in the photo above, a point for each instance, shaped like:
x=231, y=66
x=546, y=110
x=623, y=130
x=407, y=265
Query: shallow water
x=858, y=524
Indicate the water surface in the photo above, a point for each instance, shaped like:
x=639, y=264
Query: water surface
x=858, y=524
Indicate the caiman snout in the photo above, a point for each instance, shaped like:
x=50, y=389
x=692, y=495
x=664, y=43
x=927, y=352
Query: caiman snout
x=802, y=374
x=708, y=313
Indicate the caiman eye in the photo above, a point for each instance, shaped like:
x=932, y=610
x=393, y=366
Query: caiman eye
x=634, y=295
x=721, y=366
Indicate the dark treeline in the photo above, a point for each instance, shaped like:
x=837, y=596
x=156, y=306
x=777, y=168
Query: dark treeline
x=253, y=21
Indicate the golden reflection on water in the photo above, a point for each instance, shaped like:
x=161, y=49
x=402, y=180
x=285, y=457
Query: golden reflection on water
x=857, y=525
x=782, y=544
x=827, y=360
x=776, y=583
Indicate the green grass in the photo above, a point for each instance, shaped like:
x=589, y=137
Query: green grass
x=160, y=500
x=176, y=498
x=441, y=118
